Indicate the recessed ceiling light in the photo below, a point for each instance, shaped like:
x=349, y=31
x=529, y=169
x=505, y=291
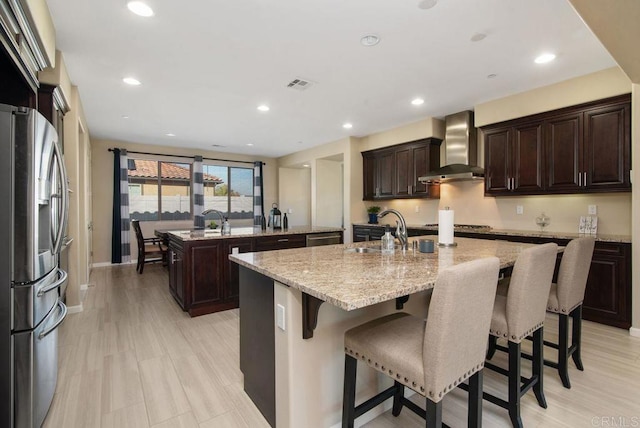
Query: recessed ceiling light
x=249, y=144
x=417, y=101
x=170, y=134
x=491, y=76
x=306, y=165
x=263, y=107
x=478, y=36
x=369, y=40
x=427, y=4
x=544, y=58
x=131, y=81
x=140, y=8
x=347, y=126
x=124, y=116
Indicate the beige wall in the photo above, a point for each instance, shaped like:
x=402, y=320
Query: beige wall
x=294, y=191
x=102, y=173
x=591, y=87
x=330, y=192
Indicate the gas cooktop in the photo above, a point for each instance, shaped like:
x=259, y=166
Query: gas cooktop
x=477, y=227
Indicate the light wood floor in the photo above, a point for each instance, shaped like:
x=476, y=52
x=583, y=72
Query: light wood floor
x=132, y=358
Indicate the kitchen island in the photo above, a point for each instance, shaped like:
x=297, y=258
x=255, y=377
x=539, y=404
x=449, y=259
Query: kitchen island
x=291, y=343
x=201, y=278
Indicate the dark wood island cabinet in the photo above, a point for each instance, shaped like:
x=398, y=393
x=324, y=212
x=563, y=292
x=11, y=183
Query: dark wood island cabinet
x=203, y=280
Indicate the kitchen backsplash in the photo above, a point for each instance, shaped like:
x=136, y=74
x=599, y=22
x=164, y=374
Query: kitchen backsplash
x=472, y=207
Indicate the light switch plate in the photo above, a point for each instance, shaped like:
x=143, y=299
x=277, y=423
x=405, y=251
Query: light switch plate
x=593, y=210
x=235, y=250
x=290, y=211
x=519, y=209
x=417, y=208
x=280, y=317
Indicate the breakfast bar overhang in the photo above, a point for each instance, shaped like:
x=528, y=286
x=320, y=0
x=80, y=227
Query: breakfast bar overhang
x=291, y=344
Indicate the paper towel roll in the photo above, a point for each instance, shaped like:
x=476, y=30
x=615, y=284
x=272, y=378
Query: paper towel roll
x=445, y=227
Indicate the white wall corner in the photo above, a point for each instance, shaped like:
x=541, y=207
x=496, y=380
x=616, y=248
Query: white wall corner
x=635, y=332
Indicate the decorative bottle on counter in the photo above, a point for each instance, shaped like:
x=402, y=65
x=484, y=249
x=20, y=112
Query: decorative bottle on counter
x=263, y=223
x=226, y=227
x=388, y=242
x=285, y=222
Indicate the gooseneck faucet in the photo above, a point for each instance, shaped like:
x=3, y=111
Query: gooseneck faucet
x=402, y=227
x=205, y=212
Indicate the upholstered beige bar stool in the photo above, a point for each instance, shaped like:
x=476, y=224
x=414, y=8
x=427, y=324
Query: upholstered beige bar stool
x=565, y=299
x=517, y=315
x=431, y=358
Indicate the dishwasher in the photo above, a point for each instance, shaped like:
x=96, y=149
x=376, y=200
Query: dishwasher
x=329, y=238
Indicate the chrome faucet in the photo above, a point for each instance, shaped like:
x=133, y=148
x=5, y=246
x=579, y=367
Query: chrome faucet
x=401, y=230
x=205, y=212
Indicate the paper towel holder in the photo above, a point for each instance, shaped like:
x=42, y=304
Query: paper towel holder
x=447, y=245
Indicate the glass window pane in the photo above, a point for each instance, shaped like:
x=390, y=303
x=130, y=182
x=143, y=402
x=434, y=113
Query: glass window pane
x=241, y=194
x=143, y=190
x=175, y=195
x=215, y=190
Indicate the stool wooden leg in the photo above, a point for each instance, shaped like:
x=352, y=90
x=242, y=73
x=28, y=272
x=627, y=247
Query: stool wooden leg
x=538, y=366
x=474, y=418
x=397, y=398
x=514, y=384
x=576, y=336
x=434, y=414
x=349, y=396
x=563, y=349
x=491, y=350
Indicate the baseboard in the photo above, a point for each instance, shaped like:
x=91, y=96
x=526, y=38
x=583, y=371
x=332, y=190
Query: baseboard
x=74, y=309
x=635, y=332
x=106, y=264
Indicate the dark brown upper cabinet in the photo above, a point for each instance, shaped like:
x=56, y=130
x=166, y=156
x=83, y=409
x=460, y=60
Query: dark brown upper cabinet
x=392, y=172
x=579, y=149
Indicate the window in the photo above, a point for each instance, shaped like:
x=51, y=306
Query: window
x=230, y=191
x=160, y=190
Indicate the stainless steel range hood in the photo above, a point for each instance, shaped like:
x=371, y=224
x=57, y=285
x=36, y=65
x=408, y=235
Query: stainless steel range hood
x=461, y=151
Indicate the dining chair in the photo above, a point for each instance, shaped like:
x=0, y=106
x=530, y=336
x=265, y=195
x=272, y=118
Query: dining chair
x=431, y=357
x=516, y=316
x=150, y=250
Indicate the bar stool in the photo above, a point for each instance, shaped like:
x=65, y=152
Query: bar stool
x=517, y=315
x=431, y=358
x=565, y=299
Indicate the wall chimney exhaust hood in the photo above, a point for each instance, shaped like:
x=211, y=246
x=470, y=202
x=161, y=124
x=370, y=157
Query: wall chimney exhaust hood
x=461, y=151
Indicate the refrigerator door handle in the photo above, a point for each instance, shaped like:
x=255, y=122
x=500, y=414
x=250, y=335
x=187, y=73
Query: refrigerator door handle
x=64, y=197
x=62, y=277
x=55, y=325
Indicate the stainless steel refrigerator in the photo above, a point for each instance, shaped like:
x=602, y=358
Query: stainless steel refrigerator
x=33, y=217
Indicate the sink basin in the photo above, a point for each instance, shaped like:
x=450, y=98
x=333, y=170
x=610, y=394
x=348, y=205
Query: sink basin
x=363, y=250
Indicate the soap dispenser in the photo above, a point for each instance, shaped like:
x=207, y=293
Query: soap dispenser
x=226, y=227
x=388, y=241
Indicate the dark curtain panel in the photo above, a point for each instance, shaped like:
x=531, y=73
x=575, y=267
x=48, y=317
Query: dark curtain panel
x=116, y=235
x=258, y=194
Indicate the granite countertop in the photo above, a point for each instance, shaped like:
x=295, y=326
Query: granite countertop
x=525, y=233
x=246, y=232
x=351, y=280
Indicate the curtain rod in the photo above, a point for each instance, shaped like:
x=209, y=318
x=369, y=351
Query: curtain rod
x=187, y=157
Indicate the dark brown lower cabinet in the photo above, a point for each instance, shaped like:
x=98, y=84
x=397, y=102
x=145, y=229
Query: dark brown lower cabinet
x=203, y=280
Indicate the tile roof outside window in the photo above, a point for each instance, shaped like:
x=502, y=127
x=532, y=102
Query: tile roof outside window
x=149, y=169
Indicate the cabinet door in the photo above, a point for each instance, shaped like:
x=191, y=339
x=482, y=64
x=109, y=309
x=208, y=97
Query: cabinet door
x=607, y=145
x=176, y=275
x=369, y=176
x=206, y=273
x=386, y=174
x=404, y=171
x=607, y=298
x=425, y=159
x=497, y=160
x=231, y=275
x=528, y=163
x=564, y=153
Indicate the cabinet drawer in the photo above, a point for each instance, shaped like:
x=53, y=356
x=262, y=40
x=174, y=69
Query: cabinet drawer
x=280, y=242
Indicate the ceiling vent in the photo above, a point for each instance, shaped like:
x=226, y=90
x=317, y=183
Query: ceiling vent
x=299, y=84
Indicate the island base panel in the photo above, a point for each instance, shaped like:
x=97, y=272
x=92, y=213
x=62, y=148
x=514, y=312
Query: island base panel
x=257, y=342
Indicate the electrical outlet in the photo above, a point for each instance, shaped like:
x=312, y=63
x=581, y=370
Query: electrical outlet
x=519, y=209
x=290, y=211
x=417, y=208
x=280, y=317
x=593, y=210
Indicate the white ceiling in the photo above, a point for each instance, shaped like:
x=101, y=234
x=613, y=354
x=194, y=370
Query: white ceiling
x=205, y=65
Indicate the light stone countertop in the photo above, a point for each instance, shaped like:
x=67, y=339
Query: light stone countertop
x=247, y=232
x=625, y=239
x=352, y=280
